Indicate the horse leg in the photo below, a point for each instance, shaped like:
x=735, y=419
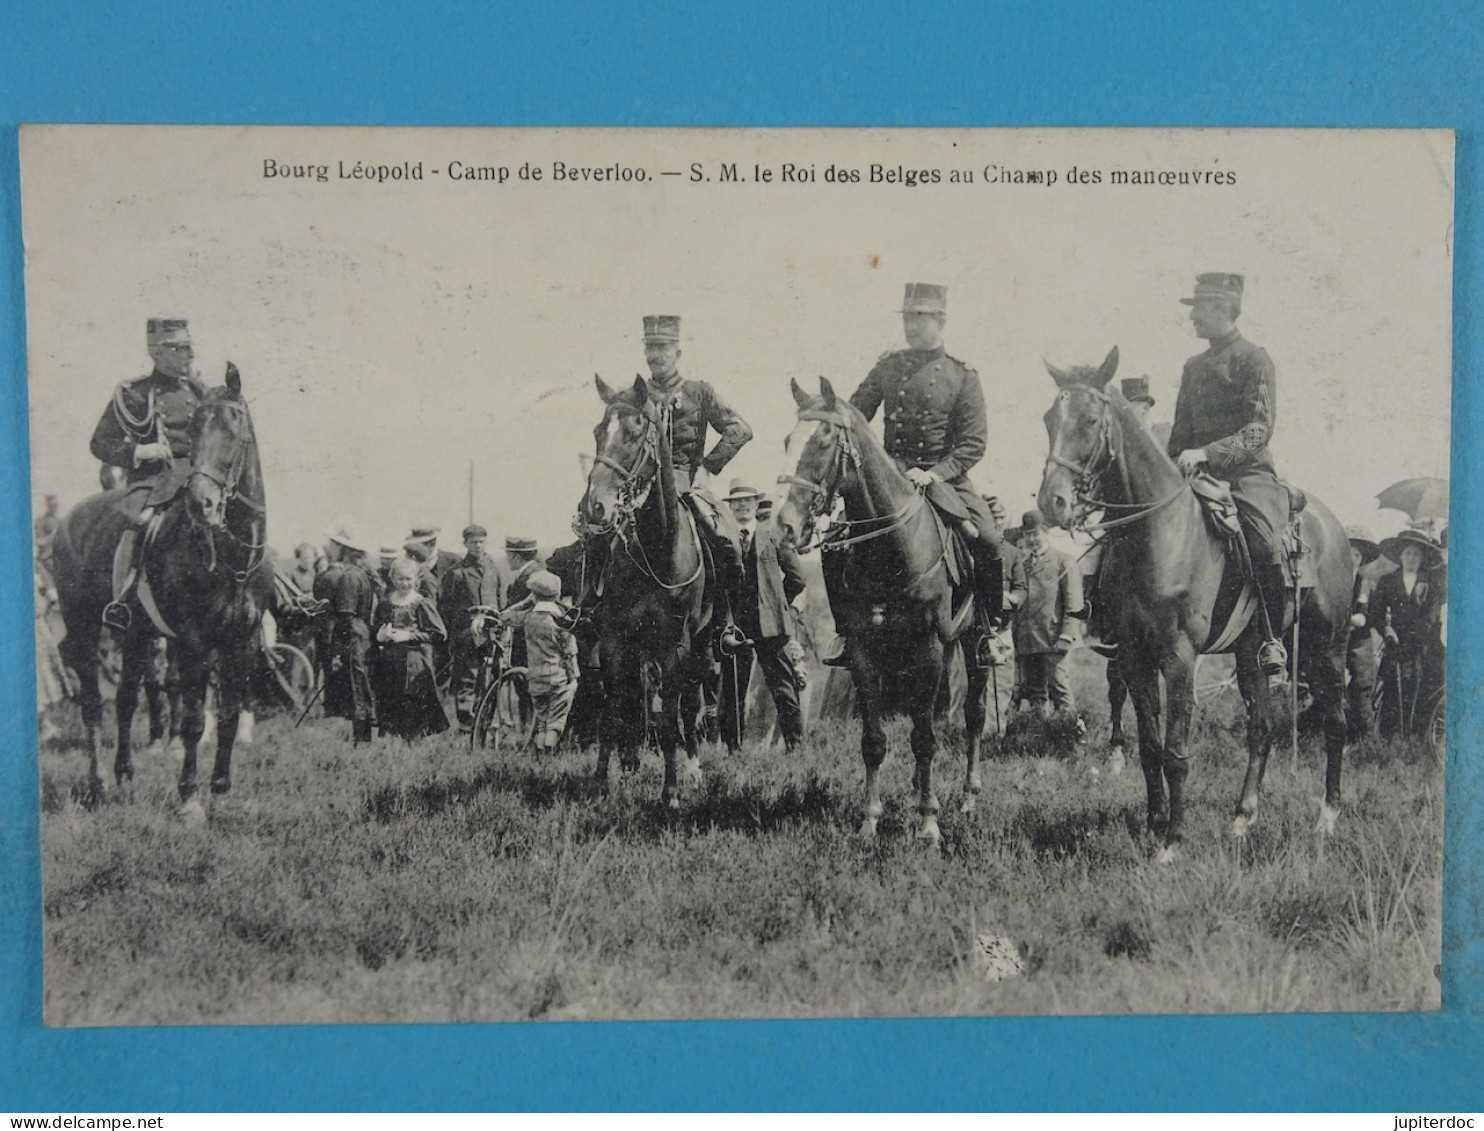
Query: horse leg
x=1327, y=683
x=80, y=653
x=235, y=671
x=193, y=676
x=873, y=737
x=1143, y=688
x=137, y=648
x=974, y=716
x=1254, y=688
x=924, y=744
x=1178, y=670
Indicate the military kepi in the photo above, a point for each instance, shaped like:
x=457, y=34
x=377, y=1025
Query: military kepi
x=662, y=328
x=925, y=298
x=1215, y=285
x=166, y=332
x=520, y=545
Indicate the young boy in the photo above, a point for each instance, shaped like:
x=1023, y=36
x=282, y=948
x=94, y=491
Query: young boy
x=551, y=656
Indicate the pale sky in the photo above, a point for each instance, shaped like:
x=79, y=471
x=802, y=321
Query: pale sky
x=390, y=334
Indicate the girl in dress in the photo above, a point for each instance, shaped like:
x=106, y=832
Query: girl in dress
x=405, y=628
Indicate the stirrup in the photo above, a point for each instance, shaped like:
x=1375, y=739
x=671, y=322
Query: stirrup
x=731, y=641
x=117, y=616
x=837, y=655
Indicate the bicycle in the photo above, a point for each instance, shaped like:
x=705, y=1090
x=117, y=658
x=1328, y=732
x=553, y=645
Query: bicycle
x=503, y=717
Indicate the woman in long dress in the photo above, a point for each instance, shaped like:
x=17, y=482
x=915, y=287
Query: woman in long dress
x=405, y=628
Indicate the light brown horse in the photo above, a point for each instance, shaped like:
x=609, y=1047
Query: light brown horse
x=1169, y=590
x=904, y=610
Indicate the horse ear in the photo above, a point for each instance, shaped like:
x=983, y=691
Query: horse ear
x=1060, y=376
x=1107, y=369
x=804, y=399
x=641, y=389
x=604, y=390
x=827, y=391
x=234, y=379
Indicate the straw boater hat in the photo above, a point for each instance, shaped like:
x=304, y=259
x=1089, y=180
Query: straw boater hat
x=1361, y=539
x=520, y=545
x=545, y=585
x=348, y=536
x=740, y=489
x=925, y=298
x=1392, y=547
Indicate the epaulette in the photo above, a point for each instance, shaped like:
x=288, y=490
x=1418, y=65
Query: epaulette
x=887, y=354
x=964, y=365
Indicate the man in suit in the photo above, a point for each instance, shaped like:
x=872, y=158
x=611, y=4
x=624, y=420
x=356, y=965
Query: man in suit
x=772, y=579
x=1045, y=626
x=472, y=581
x=422, y=547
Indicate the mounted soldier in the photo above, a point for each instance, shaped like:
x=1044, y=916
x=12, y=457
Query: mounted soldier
x=1224, y=418
x=146, y=430
x=694, y=406
x=936, y=430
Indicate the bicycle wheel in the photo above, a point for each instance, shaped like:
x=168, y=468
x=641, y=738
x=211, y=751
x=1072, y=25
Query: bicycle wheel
x=1212, y=677
x=505, y=718
x=291, y=675
x=1436, y=734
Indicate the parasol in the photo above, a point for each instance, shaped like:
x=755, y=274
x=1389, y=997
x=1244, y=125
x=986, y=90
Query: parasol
x=1420, y=499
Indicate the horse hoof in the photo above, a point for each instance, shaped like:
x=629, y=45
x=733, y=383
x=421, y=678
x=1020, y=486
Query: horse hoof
x=175, y=748
x=1116, y=761
x=930, y=834
x=690, y=772
x=1166, y=855
x=1241, y=824
x=192, y=813
x=1328, y=815
x=966, y=806
x=868, y=828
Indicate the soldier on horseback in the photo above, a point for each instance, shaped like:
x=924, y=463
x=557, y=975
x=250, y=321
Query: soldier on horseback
x=693, y=406
x=936, y=429
x=146, y=430
x=1224, y=417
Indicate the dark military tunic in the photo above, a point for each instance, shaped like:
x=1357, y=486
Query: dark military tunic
x=352, y=595
x=1227, y=407
x=935, y=420
x=148, y=410
x=695, y=407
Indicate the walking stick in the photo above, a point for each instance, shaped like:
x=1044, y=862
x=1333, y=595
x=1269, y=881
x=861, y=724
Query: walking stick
x=313, y=699
x=994, y=678
x=1293, y=690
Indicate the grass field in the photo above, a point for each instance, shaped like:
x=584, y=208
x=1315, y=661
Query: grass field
x=424, y=883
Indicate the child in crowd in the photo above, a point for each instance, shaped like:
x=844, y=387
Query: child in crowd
x=551, y=656
x=405, y=628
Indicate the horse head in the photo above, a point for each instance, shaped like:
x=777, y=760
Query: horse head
x=224, y=463
x=822, y=449
x=1079, y=425
x=627, y=456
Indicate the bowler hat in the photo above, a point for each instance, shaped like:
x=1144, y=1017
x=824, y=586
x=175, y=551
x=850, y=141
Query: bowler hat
x=1136, y=389
x=662, y=328
x=1392, y=547
x=740, y=489
x=474, y=530
x=1361, y=539
x=925, y=298
x=1033, y=520
x=1216, y=284
x=545, y=585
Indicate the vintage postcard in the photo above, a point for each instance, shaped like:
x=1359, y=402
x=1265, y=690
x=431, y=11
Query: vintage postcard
x=490, y=575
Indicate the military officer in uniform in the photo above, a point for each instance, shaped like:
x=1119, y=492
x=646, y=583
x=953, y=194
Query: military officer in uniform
x=1224, y=417
x=695, y=406
x=146, y=430
x=936, y=430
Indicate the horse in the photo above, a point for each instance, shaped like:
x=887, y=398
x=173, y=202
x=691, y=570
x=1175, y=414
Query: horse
x=659, y=608
x=905, y=608
x=1163, y=578
x=195, y=588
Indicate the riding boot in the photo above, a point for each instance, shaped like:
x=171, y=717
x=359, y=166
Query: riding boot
x=126, y=562
x=1272, y=657
x=832, y=565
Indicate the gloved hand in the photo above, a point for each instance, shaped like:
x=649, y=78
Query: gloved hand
x=920, y=477
x=1357, y=619
x=1391, y=637
x=1190, y=460
x=149, y=453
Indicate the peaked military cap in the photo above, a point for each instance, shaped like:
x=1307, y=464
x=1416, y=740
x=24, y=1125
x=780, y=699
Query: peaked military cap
x=1216, y=285
x=925, y=298
x=664, y=328
x=520, y=545
x=166, y=331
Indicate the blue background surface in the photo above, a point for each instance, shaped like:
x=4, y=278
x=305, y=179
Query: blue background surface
x=1149, y=62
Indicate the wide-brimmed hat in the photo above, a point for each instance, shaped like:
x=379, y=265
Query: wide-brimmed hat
x=421, y=535
x=545, y=584
x=348, y=536
x=1136, y=389
x=1361, y=539
x=662, y=328
x=741, y=489
x=925, y=298
x=1216, y=284
x=1392, y=547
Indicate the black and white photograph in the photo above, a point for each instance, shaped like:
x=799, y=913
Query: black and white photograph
x=490, y=575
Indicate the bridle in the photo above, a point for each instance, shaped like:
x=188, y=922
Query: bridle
x=636, y=480
x=227, y=479
x=1107, y=453
x=844, y=459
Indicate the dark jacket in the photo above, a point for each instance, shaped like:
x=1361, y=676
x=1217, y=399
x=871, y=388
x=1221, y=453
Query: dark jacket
x=1228, y=406
x=934, y=409
x=772, y=578
x=149, y=410
x=1416, y=617
x=466, y=584
x=696, y=407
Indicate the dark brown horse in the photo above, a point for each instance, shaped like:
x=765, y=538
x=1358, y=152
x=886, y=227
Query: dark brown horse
x=903, y=610
x=1169, y=591
x=196, y=572
x=658, y=610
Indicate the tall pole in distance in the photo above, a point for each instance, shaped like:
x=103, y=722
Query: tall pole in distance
x=471, y=492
